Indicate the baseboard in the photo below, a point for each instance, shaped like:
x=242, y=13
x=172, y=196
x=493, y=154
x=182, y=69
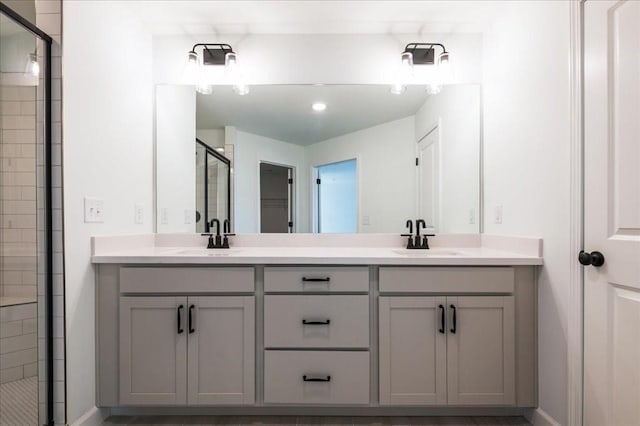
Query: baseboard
x=93, y=417
x=539, y=417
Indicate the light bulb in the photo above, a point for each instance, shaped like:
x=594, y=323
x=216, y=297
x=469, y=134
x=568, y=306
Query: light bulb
x=433, y=88
x=231, y=61
x=444, y=67
x=191, y=70
x=241, y=89
x=204, y=89
x=398, y=89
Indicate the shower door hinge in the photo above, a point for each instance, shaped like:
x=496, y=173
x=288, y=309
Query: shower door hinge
x=290, y=181
x=417, y=161
x=318, y=181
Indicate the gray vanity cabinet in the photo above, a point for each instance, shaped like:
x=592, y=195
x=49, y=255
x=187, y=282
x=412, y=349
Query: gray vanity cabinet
x=187, y=350
x=447, y=336
x=153, y=354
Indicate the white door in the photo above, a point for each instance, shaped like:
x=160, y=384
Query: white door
x=429, y=179
x=153, y=351
x=612, y=213
x=413, y=351
x=221, y=350
x=481, y=350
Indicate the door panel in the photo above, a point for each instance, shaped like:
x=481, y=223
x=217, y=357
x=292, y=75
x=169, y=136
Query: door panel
x=612, y=212
x=152, y=352
x=221, y=350
x=429, y=179
x=481, y=350
x=412, y=351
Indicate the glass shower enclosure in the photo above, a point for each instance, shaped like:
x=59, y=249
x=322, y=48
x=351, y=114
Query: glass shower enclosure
x=26, y=351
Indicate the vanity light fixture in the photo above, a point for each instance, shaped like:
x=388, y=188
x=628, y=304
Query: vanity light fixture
x=319, y=106
x=199, y=67
x=421, y=54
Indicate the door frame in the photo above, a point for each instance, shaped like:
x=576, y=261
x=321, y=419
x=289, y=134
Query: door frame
x=436, y=125
x=575, y=328
x=292, y=195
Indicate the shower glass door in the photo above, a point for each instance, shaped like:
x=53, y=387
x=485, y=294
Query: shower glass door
x=25, y=250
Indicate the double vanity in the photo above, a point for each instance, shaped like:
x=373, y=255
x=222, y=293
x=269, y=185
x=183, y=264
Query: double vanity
x=279, y=323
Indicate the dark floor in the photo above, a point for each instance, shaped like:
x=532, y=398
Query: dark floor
x=317, y=421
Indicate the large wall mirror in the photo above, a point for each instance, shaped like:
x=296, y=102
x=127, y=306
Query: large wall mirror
x=318, y=158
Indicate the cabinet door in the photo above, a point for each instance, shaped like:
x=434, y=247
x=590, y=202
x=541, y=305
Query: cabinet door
x=221, y=350
x=153, y=350
x=412, y=351
x=481, y=350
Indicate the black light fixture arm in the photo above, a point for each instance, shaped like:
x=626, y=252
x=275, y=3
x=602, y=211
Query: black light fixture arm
x=221, y=46
x=413, y=46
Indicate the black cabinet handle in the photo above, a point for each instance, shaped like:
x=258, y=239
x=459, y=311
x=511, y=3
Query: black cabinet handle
x=180, y=329
x=453, y=308
x=306, y=378
x=325, y=322
x=192, y=327
x=441, y=330
x=316, y=280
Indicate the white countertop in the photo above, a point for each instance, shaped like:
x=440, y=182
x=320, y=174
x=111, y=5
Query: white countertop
x=476, y=250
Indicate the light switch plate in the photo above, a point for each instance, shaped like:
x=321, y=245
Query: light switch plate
x=138, y=214
x=164, y=216
x=497, y=214
x=366, y=220
x=93, y=210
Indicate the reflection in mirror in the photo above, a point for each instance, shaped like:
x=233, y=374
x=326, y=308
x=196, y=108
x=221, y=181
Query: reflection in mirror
x=213, y=174
x=366, y=162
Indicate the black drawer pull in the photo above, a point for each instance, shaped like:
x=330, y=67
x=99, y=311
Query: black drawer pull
x=316, y=280
x=180, y=329
x=442, y=320
x=306, y=378
x=192, y=327
x=453, y=330
x=308, y=322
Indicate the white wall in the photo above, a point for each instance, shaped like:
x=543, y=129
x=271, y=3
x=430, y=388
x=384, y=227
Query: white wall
x=175, y=158
x=526, y=163
x=212, y=137
x=249, y=151
x=318, y=58
x=456, y=110
x=108, y=153
x=386, y=171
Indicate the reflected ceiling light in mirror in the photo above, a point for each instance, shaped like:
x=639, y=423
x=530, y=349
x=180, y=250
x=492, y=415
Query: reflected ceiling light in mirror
x=319, y=106
x=203, y=69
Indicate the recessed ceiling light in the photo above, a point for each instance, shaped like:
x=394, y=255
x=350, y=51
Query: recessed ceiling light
x=319, y=106
x=220, y=149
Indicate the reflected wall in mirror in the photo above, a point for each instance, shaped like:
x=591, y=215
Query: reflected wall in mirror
x=367, y=162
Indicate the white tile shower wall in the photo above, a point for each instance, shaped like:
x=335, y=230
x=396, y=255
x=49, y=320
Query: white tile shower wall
x=17, y=191
x=18, y=341
x=49, y=20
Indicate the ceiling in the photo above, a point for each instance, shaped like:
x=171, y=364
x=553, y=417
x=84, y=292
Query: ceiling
x=283, y=112
x=188, y=17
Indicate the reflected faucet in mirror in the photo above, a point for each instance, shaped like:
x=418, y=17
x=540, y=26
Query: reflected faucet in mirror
x=220, y=242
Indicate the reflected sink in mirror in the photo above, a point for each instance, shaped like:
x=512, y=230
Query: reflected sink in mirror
x=209, y=252
x=426, y=253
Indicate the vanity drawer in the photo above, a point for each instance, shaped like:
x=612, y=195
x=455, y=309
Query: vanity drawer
x=343, y=377
x=342, y=321
x=333, y=279
x=446, y=280
x=187, y=279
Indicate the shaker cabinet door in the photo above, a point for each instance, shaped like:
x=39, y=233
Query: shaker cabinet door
x=481, y=350
x=413, y=364
x=153, y=350
x=221, y=350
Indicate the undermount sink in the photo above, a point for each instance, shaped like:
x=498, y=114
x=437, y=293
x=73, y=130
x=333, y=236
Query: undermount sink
x=426, y=253
x=208, y=252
